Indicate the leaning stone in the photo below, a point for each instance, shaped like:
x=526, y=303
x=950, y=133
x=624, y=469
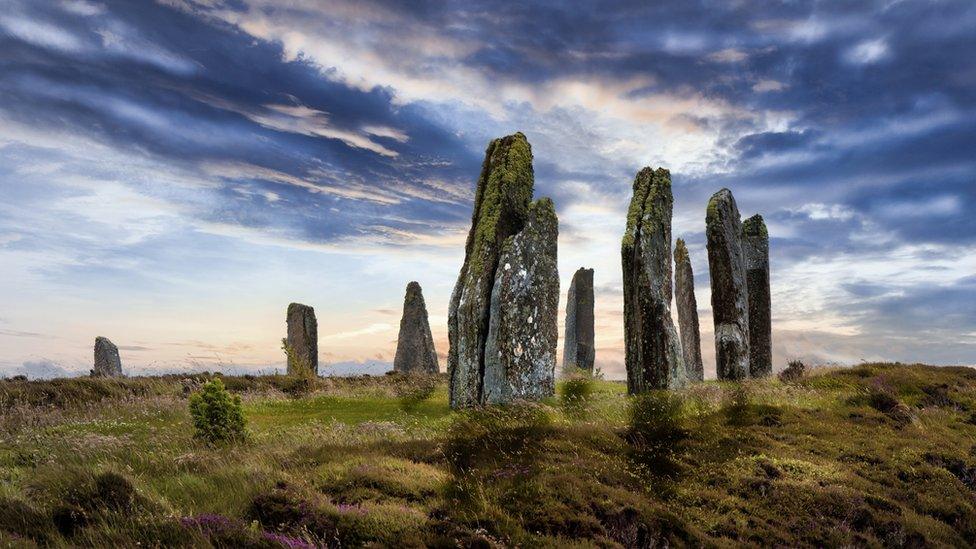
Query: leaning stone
x=730, y=295
x=107, y=360
x=520, y=351
x=684, y=297
x=415, y=346
x=302, y=343
x=501, y=208
x=755, y=251
x=578, y=349
x=652, y=350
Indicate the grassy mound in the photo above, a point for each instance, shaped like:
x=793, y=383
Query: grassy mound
x=880, y=454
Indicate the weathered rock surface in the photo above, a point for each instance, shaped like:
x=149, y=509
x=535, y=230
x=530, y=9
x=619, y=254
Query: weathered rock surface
x=730, y=296
x=415, y=346
x=107, y=360
x=578, y=349
x=302, y=342
x=755, y=251
x=503, y=200
x=520, y=351
x=687, y=305
x=653, y=352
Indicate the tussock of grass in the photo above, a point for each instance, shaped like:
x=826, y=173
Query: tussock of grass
x=877, y=455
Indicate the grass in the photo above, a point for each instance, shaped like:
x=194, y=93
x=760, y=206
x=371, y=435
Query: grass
x=876, y=455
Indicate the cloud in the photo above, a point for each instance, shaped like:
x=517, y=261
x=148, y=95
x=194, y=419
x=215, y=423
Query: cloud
x=867, y=52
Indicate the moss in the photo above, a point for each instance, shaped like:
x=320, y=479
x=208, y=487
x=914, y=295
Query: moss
x=754, y=226
x=680, y=251
x=507, y=186
x=649, y=185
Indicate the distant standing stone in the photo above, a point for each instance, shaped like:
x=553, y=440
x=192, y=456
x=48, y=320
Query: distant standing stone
x=578, y=349
x=415, y=346
x=755, y=249
x=303, y=340
x=653, y=352
x=520, y=350
x=730, y=297
x=107, y=361
x=684, y=297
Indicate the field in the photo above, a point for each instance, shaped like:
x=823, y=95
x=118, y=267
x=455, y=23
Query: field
x=875, y=455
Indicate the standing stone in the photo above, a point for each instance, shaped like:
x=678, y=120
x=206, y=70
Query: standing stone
x=302, y=344
x=502, y=205
x=653, y=351
x=107, y=360
x=520, y=352
x=730, y=294
x=415, y=347
x=684, y=297
x=755, y=251
x=579, y=351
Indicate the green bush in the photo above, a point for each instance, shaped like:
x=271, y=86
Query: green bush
x=576, y=392
x=657, y=433
x=217, y=415
x=412, y=390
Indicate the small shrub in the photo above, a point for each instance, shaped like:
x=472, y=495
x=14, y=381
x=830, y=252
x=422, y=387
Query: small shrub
x=414, y=389
x=795, y=370
x=217, y=415
x=297, y=366
x=657, y=432
x=507, y=436
x=576, y=392
x=888, y=404
x=17, y=517
x=740, y=410
x=107, y=493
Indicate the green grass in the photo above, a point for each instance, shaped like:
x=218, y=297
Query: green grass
x=877, y=455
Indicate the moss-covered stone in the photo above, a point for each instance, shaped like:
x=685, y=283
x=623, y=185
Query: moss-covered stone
x=726, y=267
x=653, y=352
x=755, y=251
x=687, y=305
x=503, y=204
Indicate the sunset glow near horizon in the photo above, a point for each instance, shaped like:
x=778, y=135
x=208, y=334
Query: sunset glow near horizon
x=174, y=173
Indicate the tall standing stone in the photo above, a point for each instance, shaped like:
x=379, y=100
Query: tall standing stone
x=730, y=294
x=653, y=352
x=302, y=343
x=578, y=350
x=520, y=352
x=502, y=205
x=107, y=360
x=415, y=346
x=755, y=251
x=684, y=297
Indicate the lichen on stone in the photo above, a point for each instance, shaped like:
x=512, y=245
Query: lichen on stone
x=755, y=226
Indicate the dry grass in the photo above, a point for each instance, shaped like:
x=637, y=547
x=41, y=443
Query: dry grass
x=877, y=455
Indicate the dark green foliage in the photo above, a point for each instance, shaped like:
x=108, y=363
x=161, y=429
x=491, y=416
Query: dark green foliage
x=217, y=415
x=740, y=410
x=19, y=518
x=794, y=371
x=414, y=389
x=657, y=433
x=508, y=436
x=575, y=393
x=94, y=499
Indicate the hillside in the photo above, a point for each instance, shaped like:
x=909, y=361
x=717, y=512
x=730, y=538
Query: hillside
x=879, y=454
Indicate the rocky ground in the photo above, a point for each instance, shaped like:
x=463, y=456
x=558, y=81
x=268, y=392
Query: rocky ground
x=866, y=456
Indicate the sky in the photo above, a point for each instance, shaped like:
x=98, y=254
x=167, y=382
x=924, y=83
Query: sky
x=174, y=173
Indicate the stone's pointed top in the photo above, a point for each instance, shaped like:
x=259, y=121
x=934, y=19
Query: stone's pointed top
x=680, y=251
x=299, y=307
x=754, y=226
x=648, y=184
x=415, y=347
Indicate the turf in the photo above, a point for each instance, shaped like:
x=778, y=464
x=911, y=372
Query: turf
x=876, y=455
